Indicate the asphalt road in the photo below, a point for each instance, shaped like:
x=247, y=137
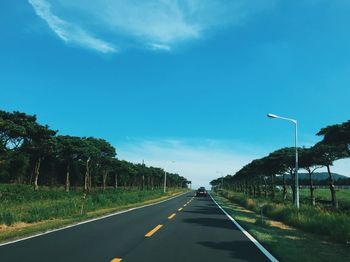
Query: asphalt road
x=162, y=232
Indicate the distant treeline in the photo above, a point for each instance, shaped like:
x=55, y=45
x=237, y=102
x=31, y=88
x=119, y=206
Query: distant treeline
x=31, y=153
x=319, y=179
x=261, y=175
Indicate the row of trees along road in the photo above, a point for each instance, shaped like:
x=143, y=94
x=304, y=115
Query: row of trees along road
x=34, y=154
x=259, y=176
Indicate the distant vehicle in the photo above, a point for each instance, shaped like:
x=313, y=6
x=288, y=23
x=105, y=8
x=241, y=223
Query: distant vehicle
x=201, y=192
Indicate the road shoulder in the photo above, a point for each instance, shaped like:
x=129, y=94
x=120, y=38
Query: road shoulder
x=282, y=240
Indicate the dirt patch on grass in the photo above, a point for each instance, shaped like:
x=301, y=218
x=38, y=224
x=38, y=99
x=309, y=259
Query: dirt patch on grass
x=18, y=226
x=280, y=225
x=293, y=237
x=243, y=210
x=245, y=219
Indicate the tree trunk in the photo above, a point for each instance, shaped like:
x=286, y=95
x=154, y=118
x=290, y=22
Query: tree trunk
x=90, y=182
x=272, y=187
x=250, y=189
x=332, y=188
x=115, y=181
x=86, y=177
x=312, y=189
x=293, y=184
x=67, y=178
x=32, y=171
x=258, y=187
x=36, y=173
x=104, y=179
x=265, y=188
x=285, y=190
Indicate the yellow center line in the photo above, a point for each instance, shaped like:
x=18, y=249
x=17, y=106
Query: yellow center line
x=172, y=216
x=180, y=209
x=154, y=230
x=116, y=259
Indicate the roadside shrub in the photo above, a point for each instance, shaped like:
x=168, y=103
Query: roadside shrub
x=36, y=214
x=7, y=218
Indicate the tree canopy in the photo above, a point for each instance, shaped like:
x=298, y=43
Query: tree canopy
x=34, y=154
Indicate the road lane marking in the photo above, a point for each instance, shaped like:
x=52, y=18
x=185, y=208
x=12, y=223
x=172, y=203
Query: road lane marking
x=154, y=230
x=185, y=205
x=180, y=209
x=172, y=216
x=116, y=259
x=251, y=238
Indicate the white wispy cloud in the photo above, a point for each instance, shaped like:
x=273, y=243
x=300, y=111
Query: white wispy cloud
x=153, y=24
x=68, y=32
x=160, y=47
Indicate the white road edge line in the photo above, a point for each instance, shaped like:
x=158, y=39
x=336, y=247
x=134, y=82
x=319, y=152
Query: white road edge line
x=251, y=238
x=88, y=221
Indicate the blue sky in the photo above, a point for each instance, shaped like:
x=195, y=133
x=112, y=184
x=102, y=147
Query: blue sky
x=188, y=81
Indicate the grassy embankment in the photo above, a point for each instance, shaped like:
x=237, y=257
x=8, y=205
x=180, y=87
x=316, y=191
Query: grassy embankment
x=285, y=242
x=318, y=219
x=24, y=212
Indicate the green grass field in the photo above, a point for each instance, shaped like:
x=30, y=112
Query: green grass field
x=343, y=196
x=284, y=242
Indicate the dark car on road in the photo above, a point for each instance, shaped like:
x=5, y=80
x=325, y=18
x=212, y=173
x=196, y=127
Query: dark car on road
x=201, y=192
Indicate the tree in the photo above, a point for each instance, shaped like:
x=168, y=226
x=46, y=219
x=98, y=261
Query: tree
x=309, y=161
x=70, y=149
x=39, y=143
x=325, y=155
x=337, y=135
x=101, y=153
x=14, y=129
x=282, y=162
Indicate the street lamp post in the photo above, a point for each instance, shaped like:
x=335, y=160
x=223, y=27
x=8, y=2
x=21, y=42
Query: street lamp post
x=295, y=122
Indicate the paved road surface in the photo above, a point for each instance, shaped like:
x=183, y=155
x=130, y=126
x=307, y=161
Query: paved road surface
x=198, y=232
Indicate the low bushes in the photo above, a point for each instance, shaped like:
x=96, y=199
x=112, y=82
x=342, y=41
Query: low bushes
x=318, y=220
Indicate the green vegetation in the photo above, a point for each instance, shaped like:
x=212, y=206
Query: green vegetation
x=314, y=219
x=49, y=180
x=261, y=174
x=322, y=196
x=21, y=204
x=284, y=242
x=33, y=154
x=266, y=181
